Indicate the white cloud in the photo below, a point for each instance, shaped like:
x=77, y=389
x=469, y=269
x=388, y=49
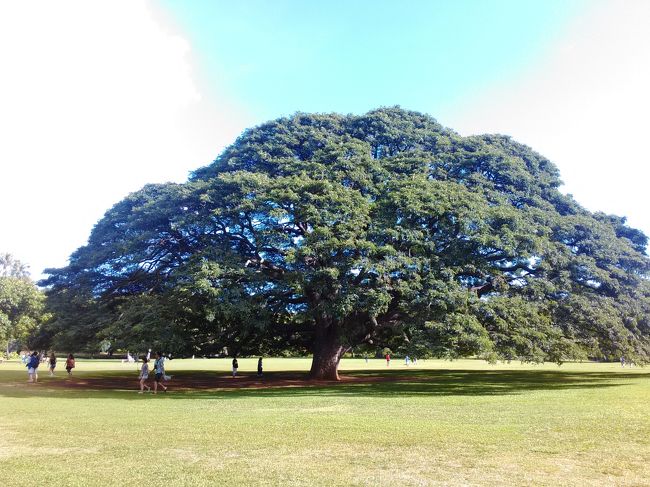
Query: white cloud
x=96, y=99
x=586, y=107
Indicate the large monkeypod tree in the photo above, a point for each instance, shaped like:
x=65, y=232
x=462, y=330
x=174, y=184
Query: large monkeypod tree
x=323, y=232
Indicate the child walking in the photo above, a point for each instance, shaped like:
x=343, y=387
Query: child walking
x=69, y=364
x=52, y=363
x=144, y=375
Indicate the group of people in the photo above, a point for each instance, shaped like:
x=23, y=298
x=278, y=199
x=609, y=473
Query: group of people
x=159, y=377
x=34, y=360
x=627, y=362
x=235, y=367
x=407, y=360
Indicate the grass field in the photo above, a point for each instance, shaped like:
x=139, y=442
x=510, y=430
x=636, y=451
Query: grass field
x=440, y=423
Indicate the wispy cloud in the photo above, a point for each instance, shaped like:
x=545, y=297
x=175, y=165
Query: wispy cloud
x=97, y=99
x=586, y=107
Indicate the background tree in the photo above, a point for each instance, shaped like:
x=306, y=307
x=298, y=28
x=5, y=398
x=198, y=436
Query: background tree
x=12, y=267
x=21, y=303
x=321, y=232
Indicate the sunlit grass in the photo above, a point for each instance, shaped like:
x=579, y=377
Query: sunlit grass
x=440, y=423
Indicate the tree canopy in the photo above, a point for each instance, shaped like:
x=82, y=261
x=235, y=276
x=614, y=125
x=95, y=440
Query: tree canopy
x=12, y=267
x=322, y=232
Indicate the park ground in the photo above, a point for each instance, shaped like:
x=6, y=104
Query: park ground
x=464, y=422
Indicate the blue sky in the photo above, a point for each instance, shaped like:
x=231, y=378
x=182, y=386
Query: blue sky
x=278, y=57
x=100, y=98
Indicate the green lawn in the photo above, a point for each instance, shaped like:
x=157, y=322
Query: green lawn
x=440, y=423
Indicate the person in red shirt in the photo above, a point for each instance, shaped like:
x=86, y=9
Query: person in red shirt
x=69, y=364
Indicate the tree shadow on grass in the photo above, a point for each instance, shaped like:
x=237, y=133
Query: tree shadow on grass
x=374, y=383
x=440, y=383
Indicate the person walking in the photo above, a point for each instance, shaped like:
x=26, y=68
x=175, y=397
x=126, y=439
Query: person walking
x=52, y=362
x=159, y=368
x=69, y=364
x=235, y=366
x=259, y=367
x=144, y=375
x=388, y=360
x=32, y=367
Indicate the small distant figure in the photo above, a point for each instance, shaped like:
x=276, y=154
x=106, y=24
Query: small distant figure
x=407, y=360
x=32, y=367
x=69, y=364
x=144, y=375
x=415, y=360
x=388, y=360
x=24, y=357
x=365, y=357
x=52, y=363
x=622, y=361
x=159, y=367
x=235, y=366
x=260, y=368
x=149, y=355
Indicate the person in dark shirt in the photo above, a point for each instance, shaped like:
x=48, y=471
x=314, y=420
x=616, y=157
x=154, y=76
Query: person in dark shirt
x=52, y=363
x=159, y=369
x=235, y=366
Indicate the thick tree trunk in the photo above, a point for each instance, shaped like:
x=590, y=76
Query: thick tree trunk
x=328, y=351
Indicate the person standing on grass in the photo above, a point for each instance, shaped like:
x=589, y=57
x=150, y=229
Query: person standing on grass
x=235, y=366
x=144, y=375
x=69, y=364
x=159, y=368
x=259, y=367
x=52, y=363
x=32, y=367
x=388, y=360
